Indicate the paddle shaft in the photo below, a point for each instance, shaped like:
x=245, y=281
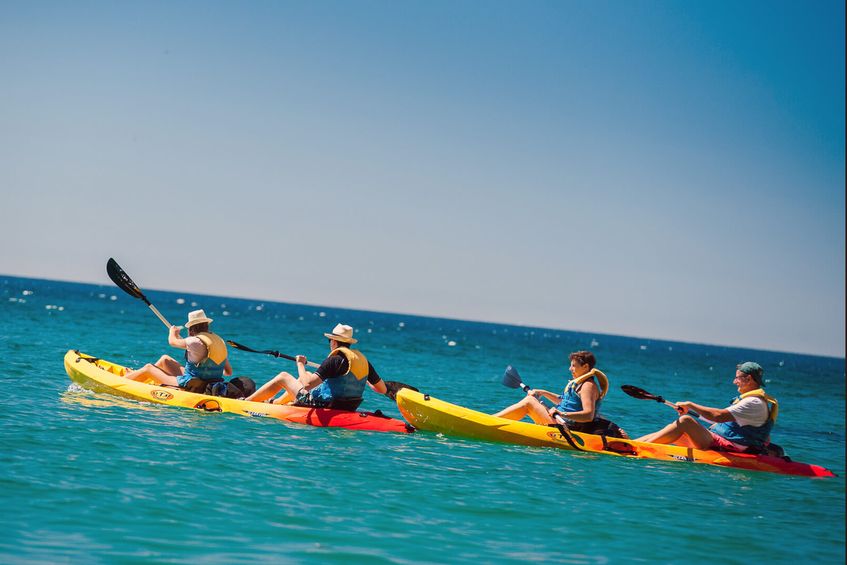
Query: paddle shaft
x=159, y=315
x=237, y=345
x=560, y=421
x=642, y=394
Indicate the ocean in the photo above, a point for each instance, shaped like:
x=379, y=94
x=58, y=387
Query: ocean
x=98, y=479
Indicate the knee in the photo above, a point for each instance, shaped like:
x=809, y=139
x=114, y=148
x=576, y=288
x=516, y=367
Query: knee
x=165, y=359
x=282, y=377
x=687, y=421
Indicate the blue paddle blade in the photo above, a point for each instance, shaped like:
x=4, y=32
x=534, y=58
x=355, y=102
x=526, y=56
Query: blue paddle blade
x=511, y=378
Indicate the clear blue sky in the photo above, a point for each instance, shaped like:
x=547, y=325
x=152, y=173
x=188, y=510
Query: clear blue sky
x=656, y=169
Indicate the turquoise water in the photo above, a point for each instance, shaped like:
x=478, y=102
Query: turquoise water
x=92, y=478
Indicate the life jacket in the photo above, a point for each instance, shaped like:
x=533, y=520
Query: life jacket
x=349, y=385
x=210, y=368
x=571, y=401
x=756, y=437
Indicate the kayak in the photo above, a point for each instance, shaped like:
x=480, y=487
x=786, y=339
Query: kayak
x=99, y=375
x=427, y=413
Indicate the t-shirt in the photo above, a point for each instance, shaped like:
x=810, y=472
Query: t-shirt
x=195, y=349
x=750, y=411
x=336, y=366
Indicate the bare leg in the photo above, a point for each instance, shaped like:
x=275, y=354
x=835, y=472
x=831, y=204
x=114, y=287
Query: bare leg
x=169, y=365
x=529, y=406
x=685, y=429
x=151, y=372
x=272, y=387
x=285, y=398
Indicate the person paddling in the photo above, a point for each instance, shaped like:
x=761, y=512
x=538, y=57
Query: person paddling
x=338, y=383
x=579, y=404
x=206, y=357
x=744, y=425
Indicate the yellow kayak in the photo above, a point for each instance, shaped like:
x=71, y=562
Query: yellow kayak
x=428, y=413
x=99, y=375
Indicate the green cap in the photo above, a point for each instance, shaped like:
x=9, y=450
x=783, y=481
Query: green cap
x=753, y=369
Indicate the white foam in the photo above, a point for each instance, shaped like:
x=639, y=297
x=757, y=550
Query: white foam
x=322, y=314
x=643, y=347
x=113, y=297
x=180, y=300
x=451, y=343
x=27, y=292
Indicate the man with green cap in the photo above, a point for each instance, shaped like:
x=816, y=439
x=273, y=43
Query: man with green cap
x=744, y=425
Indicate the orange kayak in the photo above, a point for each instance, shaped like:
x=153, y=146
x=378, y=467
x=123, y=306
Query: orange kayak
x=428, y=413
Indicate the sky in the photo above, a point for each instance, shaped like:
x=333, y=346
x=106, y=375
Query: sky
x=669, y=170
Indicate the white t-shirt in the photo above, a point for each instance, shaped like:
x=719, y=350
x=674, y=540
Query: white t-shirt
x=750, y=411
x=196, y=349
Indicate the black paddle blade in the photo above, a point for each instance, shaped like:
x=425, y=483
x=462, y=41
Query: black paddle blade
x=122, y=280
x=511, y=378
x=237, y=345
x=640, y=393
x=394, y=386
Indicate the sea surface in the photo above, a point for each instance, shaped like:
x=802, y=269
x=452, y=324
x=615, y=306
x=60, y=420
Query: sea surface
x=90, y=478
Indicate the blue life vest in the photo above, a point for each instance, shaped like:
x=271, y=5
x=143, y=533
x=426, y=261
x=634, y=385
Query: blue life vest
x=751, y=436
x=571, y=401
x=207, y=369
x=347, y=386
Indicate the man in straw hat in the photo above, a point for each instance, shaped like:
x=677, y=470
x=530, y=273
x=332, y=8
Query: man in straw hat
x=745, y=425
x=338, y=383
x=205, y=356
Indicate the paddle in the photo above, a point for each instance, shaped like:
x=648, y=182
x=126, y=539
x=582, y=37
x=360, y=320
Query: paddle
x=126, y=284
x=391, y=386
x=512, y=379
x=642, y=394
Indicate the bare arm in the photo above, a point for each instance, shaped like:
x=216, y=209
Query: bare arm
x=227, y=369
x=174, y=339
x=307, y=379
x=712, y=414
x=551, y=396
x=379, y=386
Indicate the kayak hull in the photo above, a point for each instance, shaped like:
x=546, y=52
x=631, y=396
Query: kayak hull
x=102, y=376
x=427, y=413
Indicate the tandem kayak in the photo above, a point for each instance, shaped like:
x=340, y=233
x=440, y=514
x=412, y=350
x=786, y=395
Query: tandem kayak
x=428, y=413
x=99, y=375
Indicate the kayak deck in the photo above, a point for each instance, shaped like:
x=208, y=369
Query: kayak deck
x=431, y=414
x=99, y=375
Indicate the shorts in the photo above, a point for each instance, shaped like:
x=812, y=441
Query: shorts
x=720, y=443
x=304, y=398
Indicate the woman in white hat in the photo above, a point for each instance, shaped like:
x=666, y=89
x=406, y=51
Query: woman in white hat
x=205, y=356
x=338, y=383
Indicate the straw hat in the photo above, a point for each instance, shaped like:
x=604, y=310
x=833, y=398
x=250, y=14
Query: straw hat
x=197, y=317
x=342, y=333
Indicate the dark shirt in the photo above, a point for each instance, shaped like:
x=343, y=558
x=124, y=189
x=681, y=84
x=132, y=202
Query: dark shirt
x=336, y=366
